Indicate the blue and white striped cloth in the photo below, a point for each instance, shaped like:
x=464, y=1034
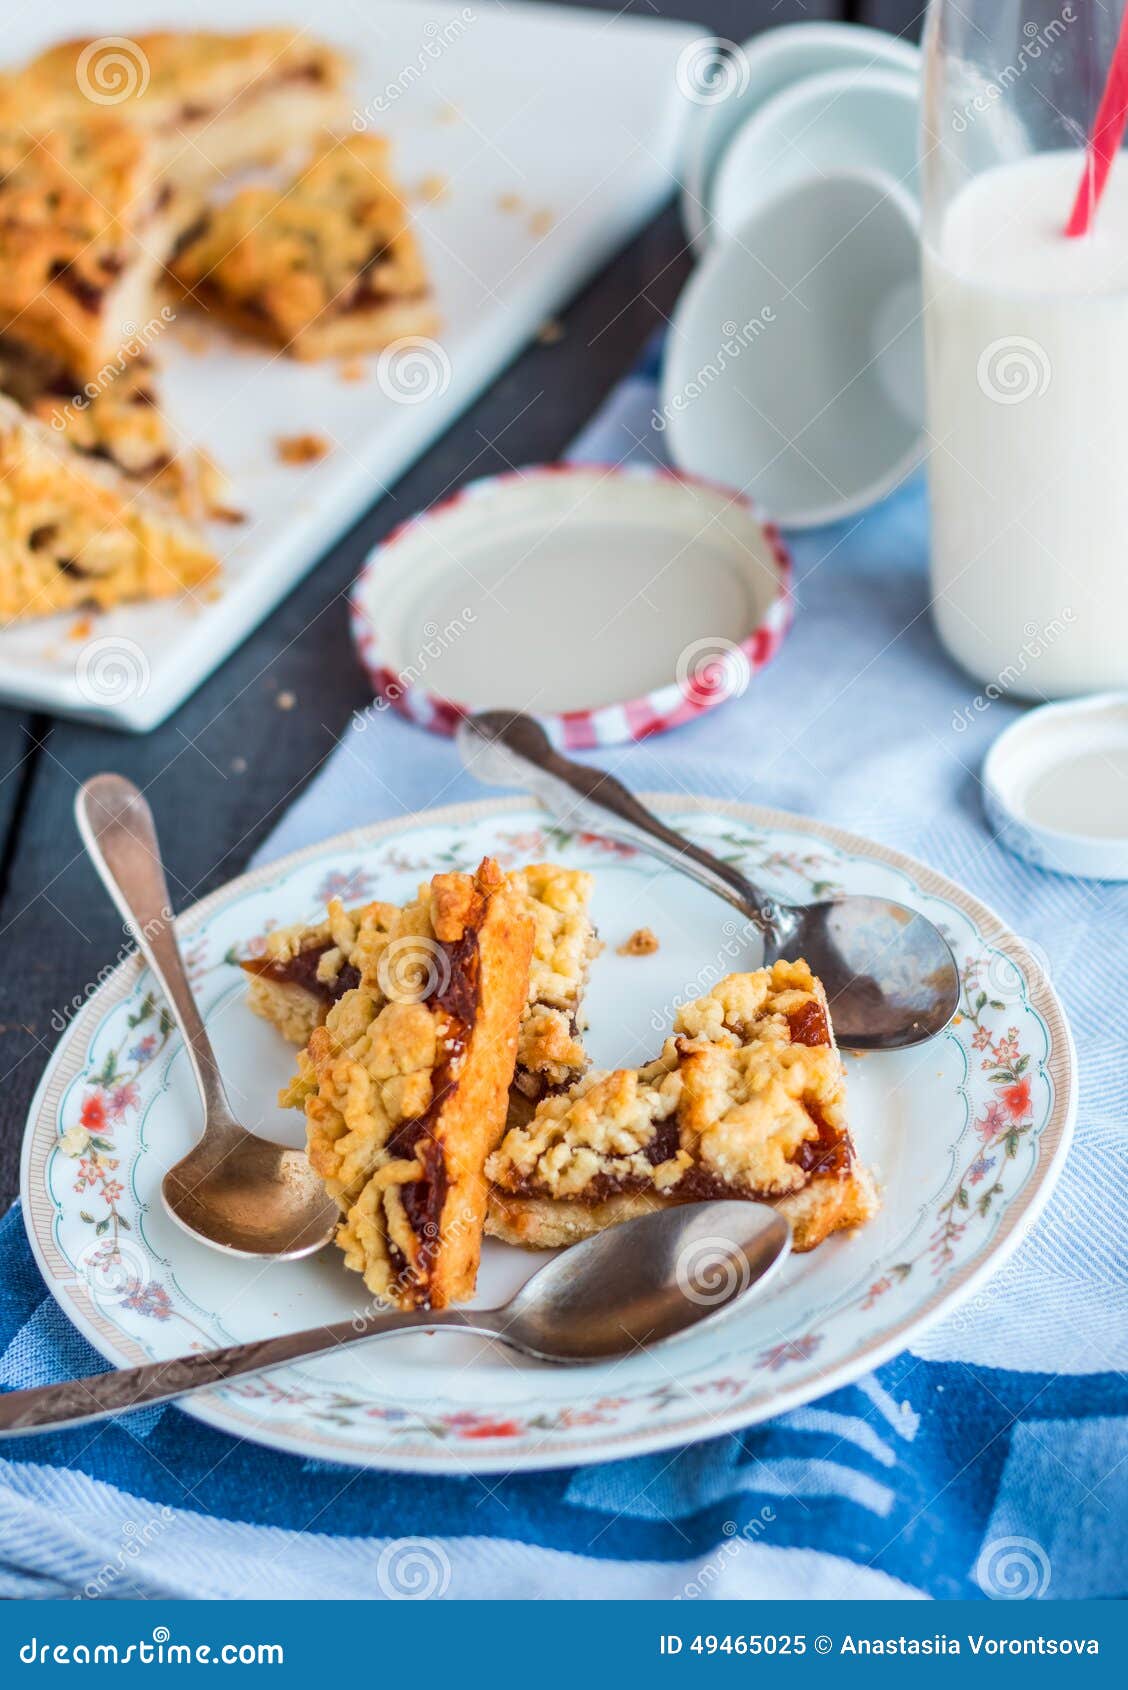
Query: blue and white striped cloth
x=988, y=1460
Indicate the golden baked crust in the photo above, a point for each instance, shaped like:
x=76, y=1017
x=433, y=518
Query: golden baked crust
x=746, y=1100
x=120, y=422
x=330, y=266
x=84, y=229
x=74, y=532
x=210, y=102
x=303, y=969
x=405, y=1088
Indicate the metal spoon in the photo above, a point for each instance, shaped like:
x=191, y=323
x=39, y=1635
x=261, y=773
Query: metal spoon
x=235, y=1191
x=632, y=1287
x=890, y=976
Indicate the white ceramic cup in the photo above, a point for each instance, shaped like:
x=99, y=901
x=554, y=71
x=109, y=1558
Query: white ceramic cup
x=763, y=67
x=793, y=367
x=844, y=120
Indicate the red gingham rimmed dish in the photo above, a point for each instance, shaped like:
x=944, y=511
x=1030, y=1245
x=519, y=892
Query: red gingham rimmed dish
x=680, y=700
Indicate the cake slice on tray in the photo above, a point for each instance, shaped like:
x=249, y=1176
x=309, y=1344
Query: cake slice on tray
x=210, y=103
x=122, y=422
x=747, y=1100
x=405, y=1086
x=304, y=969
x=85, y=227
x=330, y=266
x=76, y=533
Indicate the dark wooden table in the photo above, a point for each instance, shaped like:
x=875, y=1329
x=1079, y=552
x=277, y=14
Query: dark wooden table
x=223, y=769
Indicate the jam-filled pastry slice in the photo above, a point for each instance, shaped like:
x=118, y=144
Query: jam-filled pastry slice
x=210, y=103
x=550, y=1052
x=747, y=1100
x=328, y=267
x=405, y=1086
x=121, y=423
x=304, y=969
x=74, y=532
x=85, y=227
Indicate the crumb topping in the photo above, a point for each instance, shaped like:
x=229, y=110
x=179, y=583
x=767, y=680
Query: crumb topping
x=735, y=1105
x=336, y=240
x=642, y=942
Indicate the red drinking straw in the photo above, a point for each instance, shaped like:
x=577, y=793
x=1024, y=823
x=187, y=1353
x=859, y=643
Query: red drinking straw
x=1104, y=143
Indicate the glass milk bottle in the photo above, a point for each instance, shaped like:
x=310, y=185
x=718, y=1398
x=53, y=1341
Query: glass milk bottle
x=1026, y=287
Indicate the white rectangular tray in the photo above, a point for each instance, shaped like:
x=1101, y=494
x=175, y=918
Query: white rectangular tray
x=576, y=113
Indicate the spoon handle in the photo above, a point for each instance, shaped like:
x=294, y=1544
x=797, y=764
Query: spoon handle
x=73, y=1401
x=117, y=828
x=521, y=753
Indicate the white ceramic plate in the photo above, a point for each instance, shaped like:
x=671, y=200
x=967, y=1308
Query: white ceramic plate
x=534, y=203
x=844, y=121
x=761, y=68
x=967, y=1136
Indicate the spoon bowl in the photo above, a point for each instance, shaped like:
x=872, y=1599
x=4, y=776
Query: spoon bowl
x=889, y=974
x=647, y=1282
x=234, y=1191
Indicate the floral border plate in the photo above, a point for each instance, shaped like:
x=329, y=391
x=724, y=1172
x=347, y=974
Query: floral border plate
x=966, y=1134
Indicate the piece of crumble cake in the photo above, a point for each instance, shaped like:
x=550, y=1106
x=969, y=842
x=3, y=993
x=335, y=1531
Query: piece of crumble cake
x=210, y=103
x=329, y=267
x=120, y=421
x=85, y=228
x=748, y=1099
x=305, y=968
x=405, y=1095
x=75, y=532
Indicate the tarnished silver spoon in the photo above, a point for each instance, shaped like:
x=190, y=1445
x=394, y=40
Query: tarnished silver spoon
x=890, y=977
x=233, y=1190
x=631, y=1288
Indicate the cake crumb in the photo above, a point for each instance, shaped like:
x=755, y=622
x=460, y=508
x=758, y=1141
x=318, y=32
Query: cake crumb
x=353, y=369
x=509, y=203
x=432, y=188
x=549, y=333
x=301, y=448
x=238, y=765
x=82, y=629
x=642, y=942
x=541, y=222
x=448, y=112
x=193, y=338
x=286, y=700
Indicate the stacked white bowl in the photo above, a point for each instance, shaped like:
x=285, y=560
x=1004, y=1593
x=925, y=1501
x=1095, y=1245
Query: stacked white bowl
x=793, y=368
